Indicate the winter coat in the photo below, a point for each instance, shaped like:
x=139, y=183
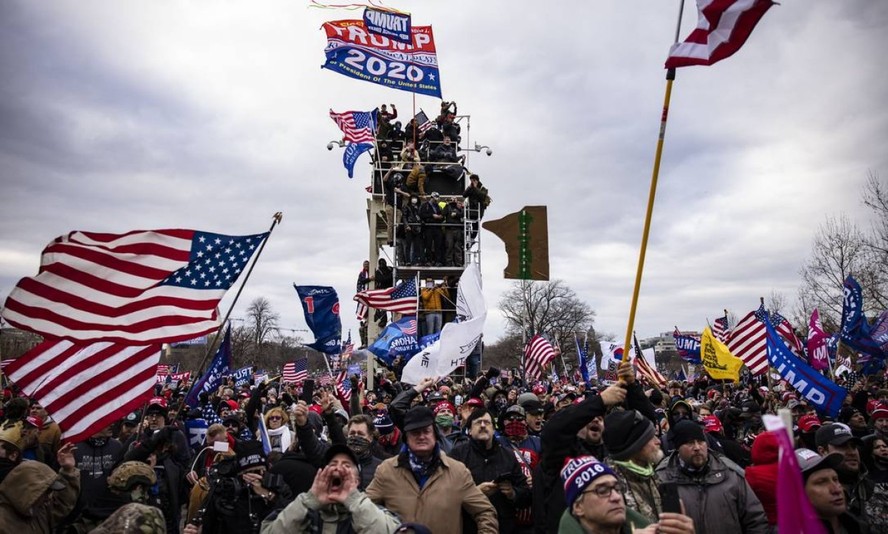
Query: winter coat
x=20, y=491
x=570, y=525
x=448, y=490
x=762, y=474
x=718, y=499
x=357, y=515
x=642, y=493
x=486, y=465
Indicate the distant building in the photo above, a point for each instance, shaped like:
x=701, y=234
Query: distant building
x=665, y=342
x=15, y=342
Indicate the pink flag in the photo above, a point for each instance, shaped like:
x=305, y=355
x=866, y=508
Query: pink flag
x=818, y=354
x=795, y=515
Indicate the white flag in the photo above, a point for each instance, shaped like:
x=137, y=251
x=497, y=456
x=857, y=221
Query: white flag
x=456, y=343
x=469, y=299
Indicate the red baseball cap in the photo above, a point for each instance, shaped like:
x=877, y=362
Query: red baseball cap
x=476, y=402
x=810, y=422
x=444, y=405
x=158, y=401
x=712, y=423
x=880, y=412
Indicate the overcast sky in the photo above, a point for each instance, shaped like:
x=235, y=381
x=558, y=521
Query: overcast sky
x=117, y=116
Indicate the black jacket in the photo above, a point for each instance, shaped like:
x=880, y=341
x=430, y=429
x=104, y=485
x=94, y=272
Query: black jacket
x=486, y=465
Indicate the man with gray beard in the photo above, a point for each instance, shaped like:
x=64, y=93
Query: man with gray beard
x=634, y=450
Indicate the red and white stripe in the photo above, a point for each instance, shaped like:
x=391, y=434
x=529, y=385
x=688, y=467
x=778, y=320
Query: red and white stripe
x=537, y=355
x=722, y=28
x=109, y=287
x=749, y=342
x=295, y=372
x=86, y=387
x=649, y=373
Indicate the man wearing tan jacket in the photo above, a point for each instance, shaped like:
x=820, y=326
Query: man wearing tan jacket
x=422, y=485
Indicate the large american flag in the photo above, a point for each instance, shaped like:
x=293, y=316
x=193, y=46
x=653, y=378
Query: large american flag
x=142, y=287
x=343, y=386
x=749, y=339
x=399, y=299
x=356, y=126
x=722, y=28
x=537, y=355
x=296, y=372
x=86, y=387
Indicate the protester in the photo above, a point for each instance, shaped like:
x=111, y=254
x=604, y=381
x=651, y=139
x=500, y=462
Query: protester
x=423, y=485
x=762, y=474
x=594, y=499
x=334, y=503
x=34, y=498
x=713, y=488
x=825, y=492
x=839, y=438
x=634, y=453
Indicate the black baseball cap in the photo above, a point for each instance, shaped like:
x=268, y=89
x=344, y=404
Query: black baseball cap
x=835, y=434
x=532, y=406
x=339, y=448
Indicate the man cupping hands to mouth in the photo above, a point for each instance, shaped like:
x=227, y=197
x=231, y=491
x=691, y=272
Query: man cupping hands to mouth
x=334, y=499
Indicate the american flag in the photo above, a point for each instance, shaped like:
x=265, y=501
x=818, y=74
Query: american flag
x=163, y=369
x=720, y=328
x=646, y=370
x=537, y=355
x=422, y=122
x=142, y=287
x=400, y=299
x=749, y=339
x=74, y=382
x=295, y=372
x=722, y=28
x=357, y=126
x=343, y=386
x=410, y=327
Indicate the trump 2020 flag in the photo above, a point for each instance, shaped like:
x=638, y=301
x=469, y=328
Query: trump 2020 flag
x=388, y=24
x=321, y=307
x=688, y=347
x=400, y=338
x=588, y=368
x=815, y=388
x=220, y=367
x=354, y=52
x=722, y=28
x=138, y=288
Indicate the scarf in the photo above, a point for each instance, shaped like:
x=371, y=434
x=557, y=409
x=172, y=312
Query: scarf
x=423, y=469
x=633, y=467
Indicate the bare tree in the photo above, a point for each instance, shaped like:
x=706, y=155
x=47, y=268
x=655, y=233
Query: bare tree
x=262, y=321
x=875, y=197
x=840, y=248
x=549, y=308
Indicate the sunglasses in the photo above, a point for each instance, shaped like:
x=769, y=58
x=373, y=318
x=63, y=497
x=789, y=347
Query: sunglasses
x=230, y=424
x=275, y=418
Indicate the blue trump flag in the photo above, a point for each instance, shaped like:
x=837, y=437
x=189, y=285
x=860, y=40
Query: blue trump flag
x=387, y=23
x=220, y=367
x=321, y=307
x=400, y=338
x=242, y=376
x=855, y=329
x=351, y=154
x=688, y=348
x=588, y=369
x=817, y=389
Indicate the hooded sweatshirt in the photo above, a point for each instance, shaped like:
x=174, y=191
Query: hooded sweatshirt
x=762, y=474
x=21, y=490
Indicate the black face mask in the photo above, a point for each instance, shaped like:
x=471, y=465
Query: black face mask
x=360, y=446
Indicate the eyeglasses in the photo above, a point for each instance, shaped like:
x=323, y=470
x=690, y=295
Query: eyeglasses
x=605, y=490
x=229, y=423
x=275, y=418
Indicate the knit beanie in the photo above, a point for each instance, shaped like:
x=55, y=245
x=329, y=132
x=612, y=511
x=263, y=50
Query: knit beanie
x=383, y=423
x=626, y=433
x=686, y=432
x=578, y=474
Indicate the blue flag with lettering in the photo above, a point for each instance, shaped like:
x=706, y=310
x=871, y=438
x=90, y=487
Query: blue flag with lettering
x=242, y=376
x=220, y=367
x=813, y=387
x=321, y=307
x=197, y=433
x=855, y=328
x=688, y=348
x=351, y=154
x=389, y=24
x=400, y=338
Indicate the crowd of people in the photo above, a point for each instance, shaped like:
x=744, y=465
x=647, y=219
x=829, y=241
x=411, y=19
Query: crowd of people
x=426, y=226
x=489, y=454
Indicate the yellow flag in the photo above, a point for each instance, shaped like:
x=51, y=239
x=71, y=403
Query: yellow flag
x=717, y=359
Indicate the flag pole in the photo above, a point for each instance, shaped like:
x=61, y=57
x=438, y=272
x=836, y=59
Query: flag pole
x=276, y=219
x=670, y=77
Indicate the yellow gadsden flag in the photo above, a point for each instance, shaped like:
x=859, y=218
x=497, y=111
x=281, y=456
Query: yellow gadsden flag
x=717, y=359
